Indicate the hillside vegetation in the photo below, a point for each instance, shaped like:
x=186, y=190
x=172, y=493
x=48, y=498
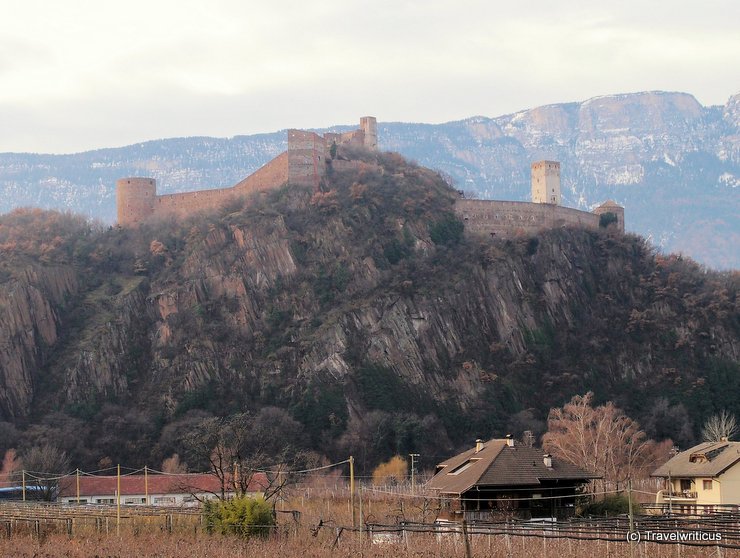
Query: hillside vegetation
x=355, y=320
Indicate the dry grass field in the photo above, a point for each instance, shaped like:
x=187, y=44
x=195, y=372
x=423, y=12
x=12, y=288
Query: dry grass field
x=51, y=531
x=306, y=546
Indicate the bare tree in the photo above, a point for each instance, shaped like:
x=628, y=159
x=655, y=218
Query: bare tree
x=45, y=465
x=602, y=440
x=719, y=427
x=243, y=448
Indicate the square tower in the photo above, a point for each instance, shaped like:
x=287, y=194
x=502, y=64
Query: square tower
x=546, y=182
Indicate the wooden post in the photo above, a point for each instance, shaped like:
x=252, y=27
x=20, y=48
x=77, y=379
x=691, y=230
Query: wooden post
x=78, y=486
x=352, y=491
x=465, y=538
x=24, y=485
x=118, y=500
x=361, y=513
x=146, y=486
x=632, y=517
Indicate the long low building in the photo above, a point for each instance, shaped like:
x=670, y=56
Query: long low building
x=186, y=489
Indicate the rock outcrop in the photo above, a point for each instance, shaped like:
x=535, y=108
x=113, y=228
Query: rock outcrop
x=362, y=302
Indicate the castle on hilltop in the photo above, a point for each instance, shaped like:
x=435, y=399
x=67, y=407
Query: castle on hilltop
x=306, y=161
x=503, y=219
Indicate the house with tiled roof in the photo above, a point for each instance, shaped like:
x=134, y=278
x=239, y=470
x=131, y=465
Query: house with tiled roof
x=182, y=489
x=705, y=478
x=501, y=479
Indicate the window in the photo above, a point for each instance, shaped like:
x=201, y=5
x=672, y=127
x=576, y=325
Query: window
x=707, y=484
x=131, y=501
x=460, y=468
x=165, y=500
x=105, y=500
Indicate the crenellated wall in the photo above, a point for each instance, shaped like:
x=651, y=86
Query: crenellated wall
x=304, y=163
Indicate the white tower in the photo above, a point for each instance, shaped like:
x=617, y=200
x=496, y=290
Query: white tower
x=546, y=182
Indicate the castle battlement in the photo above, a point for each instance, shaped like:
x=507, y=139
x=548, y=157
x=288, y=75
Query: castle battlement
x=304, y=163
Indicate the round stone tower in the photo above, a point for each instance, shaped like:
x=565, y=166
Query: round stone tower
x=135, y=199
x=369, y=125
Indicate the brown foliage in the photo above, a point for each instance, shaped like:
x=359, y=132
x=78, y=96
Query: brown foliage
x=392, y=471
x=602, y=440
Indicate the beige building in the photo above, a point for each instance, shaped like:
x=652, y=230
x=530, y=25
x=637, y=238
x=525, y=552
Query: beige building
x=702, y=479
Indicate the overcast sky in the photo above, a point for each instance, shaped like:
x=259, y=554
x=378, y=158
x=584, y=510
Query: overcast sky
x=84, y=74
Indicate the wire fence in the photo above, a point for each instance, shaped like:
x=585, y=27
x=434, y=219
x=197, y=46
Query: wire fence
x=713, y=528
x=718, y=530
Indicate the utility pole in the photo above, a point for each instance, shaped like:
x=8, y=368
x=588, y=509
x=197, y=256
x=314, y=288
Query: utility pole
x=414, y=457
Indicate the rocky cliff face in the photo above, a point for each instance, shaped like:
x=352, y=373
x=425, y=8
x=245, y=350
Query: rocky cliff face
x=670, y=161
x=356, y=306
x=32, y=307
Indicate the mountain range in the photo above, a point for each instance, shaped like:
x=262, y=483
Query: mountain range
x=673, y=163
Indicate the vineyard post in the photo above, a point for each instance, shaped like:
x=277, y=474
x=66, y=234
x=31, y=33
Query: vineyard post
x=118, y=500
x=352, y=490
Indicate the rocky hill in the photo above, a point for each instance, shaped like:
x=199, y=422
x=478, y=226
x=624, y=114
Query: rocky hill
x=354, y=320
x=674, y=165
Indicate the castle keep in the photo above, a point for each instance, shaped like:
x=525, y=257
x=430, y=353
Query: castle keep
x=304, y=163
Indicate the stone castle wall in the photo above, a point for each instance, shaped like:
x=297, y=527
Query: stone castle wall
x=504, y=219
x=304, y=163
x=137, y=198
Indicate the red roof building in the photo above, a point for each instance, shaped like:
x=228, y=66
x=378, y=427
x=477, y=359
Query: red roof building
x=183, y=489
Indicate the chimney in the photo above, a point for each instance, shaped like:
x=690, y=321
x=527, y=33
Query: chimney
x=547, y=460
x=478, y=445
x=509, y=441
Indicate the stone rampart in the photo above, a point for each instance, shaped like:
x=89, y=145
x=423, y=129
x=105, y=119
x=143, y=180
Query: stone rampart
x=271, y=175
x=137, y=198
x=305, y=163
x=508, y=218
